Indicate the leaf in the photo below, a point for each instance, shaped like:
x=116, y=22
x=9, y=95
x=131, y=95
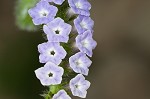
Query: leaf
x=23, y=20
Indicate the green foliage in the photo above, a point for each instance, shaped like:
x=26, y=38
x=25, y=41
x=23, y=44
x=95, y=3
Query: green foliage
x=55, y=88
x=23, y=20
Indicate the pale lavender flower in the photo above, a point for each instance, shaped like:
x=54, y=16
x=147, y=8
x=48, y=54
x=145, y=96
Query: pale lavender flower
x=50, y=74
x=83, y=23
x=57, y=30
x=61, y=95
x=51, y=52
x=42, y=13
x=85, y=43
x=80, y=7
x=59, y=2
x=79, y=86
x=80, y=63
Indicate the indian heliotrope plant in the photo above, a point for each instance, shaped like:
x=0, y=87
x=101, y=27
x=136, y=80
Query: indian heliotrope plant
x=79, y=86
x=61, y=95
x=65, y=52
x=81, y=7
x=80, y=63
x=43, y=13
x=86, y=43
x=51, y=52
x=57, y=30
x=50, y=74
x=83, y=23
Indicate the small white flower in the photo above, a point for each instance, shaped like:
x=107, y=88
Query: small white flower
x=50, y=74
x=61, y=95
x=80, y=63
x=79, y=86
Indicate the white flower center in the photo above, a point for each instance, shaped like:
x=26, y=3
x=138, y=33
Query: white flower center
x=50, y=74
x=83, y=25
x=78, y=62
x=51, y=52
x=78, y=86
x=57, y=30
x=78, y=5
x=85, y=43
x=43, y=13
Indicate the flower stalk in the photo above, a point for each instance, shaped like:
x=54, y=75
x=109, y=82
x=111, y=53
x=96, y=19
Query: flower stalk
x=66, y=51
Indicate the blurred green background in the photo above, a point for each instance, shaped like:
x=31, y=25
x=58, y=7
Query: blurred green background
x=121, y=61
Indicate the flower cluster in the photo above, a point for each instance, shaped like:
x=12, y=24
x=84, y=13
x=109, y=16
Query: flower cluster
x=66, y=52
